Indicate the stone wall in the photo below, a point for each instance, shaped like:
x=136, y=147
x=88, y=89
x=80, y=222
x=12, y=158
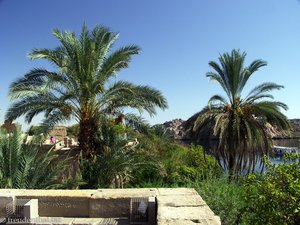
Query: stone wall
x=178, y=206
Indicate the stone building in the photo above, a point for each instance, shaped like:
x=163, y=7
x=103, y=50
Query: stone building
x=59, y=132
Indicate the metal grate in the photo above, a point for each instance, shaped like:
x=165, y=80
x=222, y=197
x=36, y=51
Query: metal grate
x=15, y=209
x=139, y=211
x=2, y=221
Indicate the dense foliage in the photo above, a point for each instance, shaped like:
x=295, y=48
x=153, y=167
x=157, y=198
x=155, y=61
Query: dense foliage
x=187, y=164
x=274, y=197
x=131, y=158
x=176, y=165
x=226, y=199
x=138, y=155
x=27, y=165
x=118, y=160
x=239, y=122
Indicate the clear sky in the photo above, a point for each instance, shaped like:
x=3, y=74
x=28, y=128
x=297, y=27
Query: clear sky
x=178, y=39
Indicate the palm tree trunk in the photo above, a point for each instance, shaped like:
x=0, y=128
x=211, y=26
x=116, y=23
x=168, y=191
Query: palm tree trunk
x=87, y=133
x=231, y=166
x=232, y=153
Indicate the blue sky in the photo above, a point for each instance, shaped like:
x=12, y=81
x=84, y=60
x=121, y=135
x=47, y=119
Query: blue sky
x=178, y=39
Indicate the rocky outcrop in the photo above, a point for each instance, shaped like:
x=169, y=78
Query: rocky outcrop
x=275, y=133
x=295, y=128
x=176, y=127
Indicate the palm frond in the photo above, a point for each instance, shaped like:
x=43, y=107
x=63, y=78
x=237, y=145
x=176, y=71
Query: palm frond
x=24, y=166
x=116, y=61
x=248, y=71
x=216, y=98
x=263, y=88
x=137, y=123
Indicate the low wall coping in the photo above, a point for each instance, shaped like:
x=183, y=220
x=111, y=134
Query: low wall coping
x=175, y=205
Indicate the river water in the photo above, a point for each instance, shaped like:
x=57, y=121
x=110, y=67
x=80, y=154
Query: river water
x=293, y=142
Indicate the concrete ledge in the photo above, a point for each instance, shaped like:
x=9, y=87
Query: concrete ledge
x=107, y=203
x=183, y=206
x=31, y=209
x=125, y=193
x=60, y=203
x=176, y=191
x=215, y=221
x=175, y=206
x=109, y=207
x=180, y=201
x=191, y=213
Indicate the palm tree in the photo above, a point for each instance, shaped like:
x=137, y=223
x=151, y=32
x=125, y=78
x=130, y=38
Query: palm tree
x=81, y=87
x=240, y=122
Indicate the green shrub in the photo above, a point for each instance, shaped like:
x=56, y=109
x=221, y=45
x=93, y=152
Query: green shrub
x=274, y=197
x=184, y=165
x=113, y=169
x=154, y=160
x=205, y=164
x=224, y=198
x=116, y=164
x=187, y=173
x=182, y=175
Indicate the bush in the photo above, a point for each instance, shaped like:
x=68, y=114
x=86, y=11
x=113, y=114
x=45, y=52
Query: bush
x=274, y=197
x=116, y=163
x=190, y=164
x=183, y=165
x=187, y=173
x=205, y=164
x=224, y=198
x=173, y=164
x=153, y=159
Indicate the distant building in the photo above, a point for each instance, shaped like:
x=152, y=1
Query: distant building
x=59, y=132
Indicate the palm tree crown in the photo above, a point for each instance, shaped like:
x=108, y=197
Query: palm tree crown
x=240, y=122
x=79, y=88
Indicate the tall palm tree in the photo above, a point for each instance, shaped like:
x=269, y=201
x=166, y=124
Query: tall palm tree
x=80, y=88
x=240, y=122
